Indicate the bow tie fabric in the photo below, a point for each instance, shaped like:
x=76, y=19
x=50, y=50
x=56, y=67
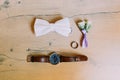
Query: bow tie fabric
x=84, y=27
x=43, y=27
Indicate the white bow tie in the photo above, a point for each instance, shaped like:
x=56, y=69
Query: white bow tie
x=43, y=27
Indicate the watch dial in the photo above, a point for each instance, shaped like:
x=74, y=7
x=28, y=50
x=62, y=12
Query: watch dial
x=54, y=59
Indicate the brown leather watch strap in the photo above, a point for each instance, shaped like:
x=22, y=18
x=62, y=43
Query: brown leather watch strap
x=38, y=58
x=73, y=59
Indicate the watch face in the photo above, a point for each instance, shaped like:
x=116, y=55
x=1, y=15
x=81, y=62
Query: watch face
x=54, y=58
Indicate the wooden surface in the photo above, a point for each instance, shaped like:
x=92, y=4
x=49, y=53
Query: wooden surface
x=16, y=36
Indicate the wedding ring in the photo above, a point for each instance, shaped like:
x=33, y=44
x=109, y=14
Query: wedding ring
x=74, y=44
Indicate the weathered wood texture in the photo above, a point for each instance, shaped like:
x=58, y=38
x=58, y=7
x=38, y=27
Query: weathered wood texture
x=16, y=35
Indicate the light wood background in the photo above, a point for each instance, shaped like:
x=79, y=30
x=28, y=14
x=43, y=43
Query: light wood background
x=16, y=36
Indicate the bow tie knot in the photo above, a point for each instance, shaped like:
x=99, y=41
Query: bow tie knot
x=52, y=26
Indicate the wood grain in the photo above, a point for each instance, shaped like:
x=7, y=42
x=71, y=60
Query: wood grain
x=17, y=35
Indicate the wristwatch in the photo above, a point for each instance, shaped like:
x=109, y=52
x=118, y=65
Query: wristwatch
x=55, y=58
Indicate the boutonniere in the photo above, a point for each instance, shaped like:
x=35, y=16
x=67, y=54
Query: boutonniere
x=84, y=26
